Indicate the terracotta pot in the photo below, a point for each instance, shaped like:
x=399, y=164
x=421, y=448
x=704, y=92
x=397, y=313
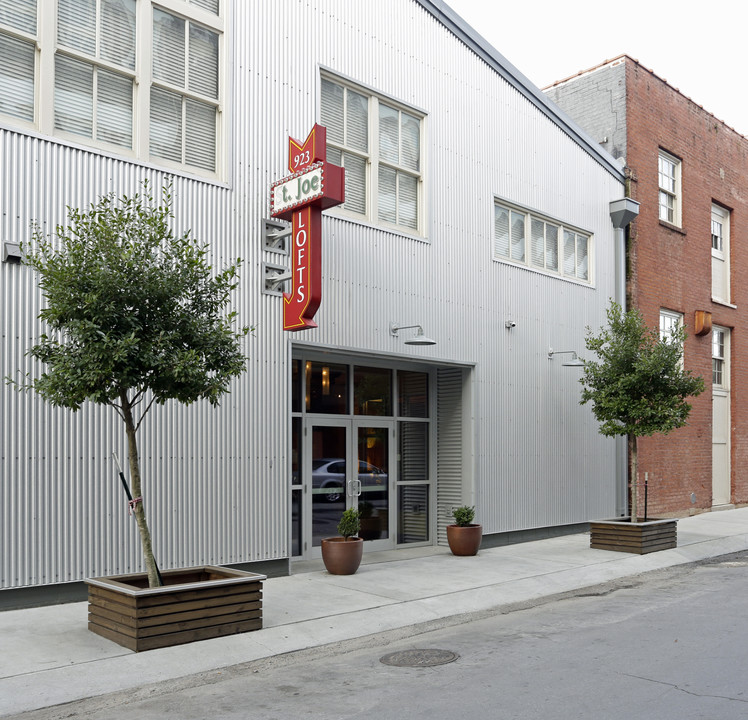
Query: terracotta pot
x=464, y=540
x=342, y=556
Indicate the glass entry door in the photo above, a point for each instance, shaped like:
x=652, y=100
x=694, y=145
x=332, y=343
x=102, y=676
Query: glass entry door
x=374, y=482
x=349, y=466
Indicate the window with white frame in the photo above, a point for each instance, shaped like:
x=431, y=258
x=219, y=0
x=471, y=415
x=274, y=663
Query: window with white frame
x=378, y=142
x=670, y=323
x=669, y=181
x=719, y=374
x=18, y=40
x=125, y=75
x=720, y=253
x=528, y=239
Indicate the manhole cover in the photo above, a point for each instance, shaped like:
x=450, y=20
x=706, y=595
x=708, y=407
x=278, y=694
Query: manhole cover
x=419, y=658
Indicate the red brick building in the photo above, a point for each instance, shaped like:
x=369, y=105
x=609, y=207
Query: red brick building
x=687, y=256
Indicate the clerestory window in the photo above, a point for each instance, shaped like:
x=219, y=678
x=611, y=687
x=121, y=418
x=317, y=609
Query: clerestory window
x=526, y=238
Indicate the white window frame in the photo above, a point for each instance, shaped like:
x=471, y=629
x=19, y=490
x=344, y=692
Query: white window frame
x=521, y=252
x=374, y=162
x=45, y=41
x=720, y=232
x=669, y=182
x=670, y=321
x=720, y=246
x=721, y=358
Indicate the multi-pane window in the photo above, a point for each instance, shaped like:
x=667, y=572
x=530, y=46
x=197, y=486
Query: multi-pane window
x=527, y=239
x=18, y=38
x=670, y=323
x=379, y=144
x=95, y=69
x=184, y=93
x=120, y=74
x=669, y=181
x=718, y=358
x=720, y=254
x=718, y=232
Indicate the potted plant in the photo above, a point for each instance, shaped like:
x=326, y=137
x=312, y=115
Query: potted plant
x=342, y=555
x=637, y=387
x=464, y=537
x=135, y=317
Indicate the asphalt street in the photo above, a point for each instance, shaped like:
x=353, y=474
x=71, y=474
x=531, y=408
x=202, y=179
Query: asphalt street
x=667, y=644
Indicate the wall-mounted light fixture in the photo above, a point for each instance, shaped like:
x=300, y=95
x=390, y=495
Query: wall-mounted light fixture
x=418, y=339
x=573, y=362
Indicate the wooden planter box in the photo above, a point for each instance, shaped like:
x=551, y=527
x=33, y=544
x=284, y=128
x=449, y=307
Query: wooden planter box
x=639, y=537
x=194, y=604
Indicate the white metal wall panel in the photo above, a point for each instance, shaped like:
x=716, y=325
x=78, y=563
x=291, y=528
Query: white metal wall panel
x=450, y=451
x=217, y=479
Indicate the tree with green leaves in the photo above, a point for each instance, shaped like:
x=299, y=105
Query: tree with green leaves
x=638, y=386
x=135, y=315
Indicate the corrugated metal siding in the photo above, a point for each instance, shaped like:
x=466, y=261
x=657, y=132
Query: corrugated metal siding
x=217, y=480
x=449, y=451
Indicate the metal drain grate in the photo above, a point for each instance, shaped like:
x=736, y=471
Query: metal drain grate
x=419, y=658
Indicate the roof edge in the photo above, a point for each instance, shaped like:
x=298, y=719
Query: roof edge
x=489, y=54
x=626, y=57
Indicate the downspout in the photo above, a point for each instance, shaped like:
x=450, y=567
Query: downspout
x=622, y=212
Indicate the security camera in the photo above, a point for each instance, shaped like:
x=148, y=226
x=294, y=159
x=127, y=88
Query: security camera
x=510, y=324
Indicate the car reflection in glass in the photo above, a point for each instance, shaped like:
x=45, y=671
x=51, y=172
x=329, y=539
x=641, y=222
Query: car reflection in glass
x=328, y=479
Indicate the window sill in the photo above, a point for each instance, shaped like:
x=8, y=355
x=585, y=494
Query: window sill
x=123, y=156
x=724, y=303
x=672, y=227
x=546, y=273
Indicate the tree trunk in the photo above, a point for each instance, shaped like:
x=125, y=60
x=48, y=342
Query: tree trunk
x=137, y=494
x=634, y=478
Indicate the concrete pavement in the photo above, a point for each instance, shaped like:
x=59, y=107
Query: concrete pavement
x=49, y=658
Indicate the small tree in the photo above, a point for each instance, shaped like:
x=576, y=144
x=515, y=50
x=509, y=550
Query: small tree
x=134, y=316
x=349, y=524
x=638, y=386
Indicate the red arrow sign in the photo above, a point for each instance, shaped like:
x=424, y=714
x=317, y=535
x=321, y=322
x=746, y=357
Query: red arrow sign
x=314, y=186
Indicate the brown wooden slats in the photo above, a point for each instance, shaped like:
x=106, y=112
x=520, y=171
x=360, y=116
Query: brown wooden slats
x=121, y=639
x=190, y=595
x=633, y=538
x=201, y=634
x=179, y=615
x=173, y=617
x=208, y=602
x=176, y=638
x=202, y=621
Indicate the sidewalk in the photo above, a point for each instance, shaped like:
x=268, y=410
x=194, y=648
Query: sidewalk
x=48, y=657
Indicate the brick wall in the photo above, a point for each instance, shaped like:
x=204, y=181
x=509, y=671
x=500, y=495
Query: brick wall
x=670, y=267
